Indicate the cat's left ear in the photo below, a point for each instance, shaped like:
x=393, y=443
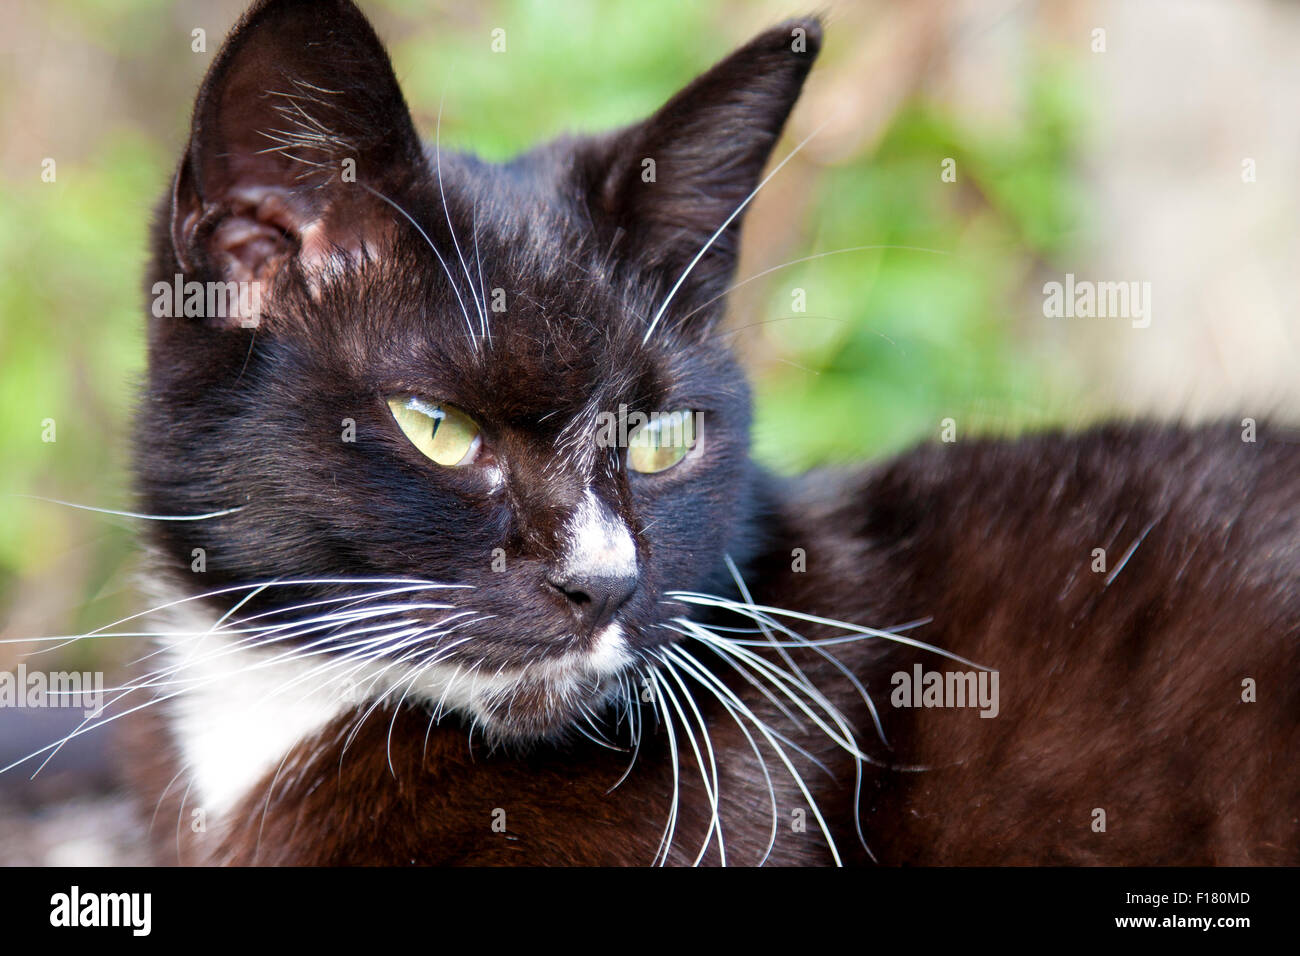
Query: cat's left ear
x=298, y=115
x=672, y=185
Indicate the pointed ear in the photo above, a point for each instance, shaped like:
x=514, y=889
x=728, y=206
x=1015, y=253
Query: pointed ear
x=298, y=113
x=671, y=182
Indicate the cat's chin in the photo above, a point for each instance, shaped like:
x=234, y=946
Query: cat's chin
x=534, y=711
x=531, y=715
x=548, y=700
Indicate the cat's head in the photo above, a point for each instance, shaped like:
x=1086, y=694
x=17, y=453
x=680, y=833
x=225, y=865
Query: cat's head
x=437, y=367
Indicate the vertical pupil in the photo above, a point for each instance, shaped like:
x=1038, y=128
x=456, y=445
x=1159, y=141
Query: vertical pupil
x=437, y=416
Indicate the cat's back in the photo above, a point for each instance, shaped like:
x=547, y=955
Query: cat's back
x=1137, y=589
x=1124, y=500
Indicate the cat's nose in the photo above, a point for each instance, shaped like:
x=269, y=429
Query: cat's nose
x=594, y=598
x=596, y=568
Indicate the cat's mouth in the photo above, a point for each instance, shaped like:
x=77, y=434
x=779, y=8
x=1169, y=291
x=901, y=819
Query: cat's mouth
x=537, y=701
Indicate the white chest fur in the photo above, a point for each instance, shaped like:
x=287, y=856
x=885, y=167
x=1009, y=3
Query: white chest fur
x=239, y=713
x=236, y=712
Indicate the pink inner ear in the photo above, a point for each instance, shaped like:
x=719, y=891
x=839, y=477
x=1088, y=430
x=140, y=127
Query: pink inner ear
x=249, y=250
x=269, y=225
x=254, y=240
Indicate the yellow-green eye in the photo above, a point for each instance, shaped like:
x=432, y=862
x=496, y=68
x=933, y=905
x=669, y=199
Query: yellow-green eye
x=443, y=433
x=661, y=442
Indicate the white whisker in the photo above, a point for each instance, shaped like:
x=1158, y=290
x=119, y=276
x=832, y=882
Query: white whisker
x=437, y=150
x=710, y=790
x=654, y=322
x=134, y=514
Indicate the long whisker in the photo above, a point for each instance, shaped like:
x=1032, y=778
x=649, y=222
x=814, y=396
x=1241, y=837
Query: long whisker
x=133, y=514
x=787, y=684
x=767, y=624
x=800, y=782
x=437, y=152
x=752, y=676
x=261, y=636
x=666, y=841
x=695, y=668
x=654, y=322
x=632, y=699
x=420, y=229
x=710, y=790
x=153, y=680
x=762, y=625
x=710, y=600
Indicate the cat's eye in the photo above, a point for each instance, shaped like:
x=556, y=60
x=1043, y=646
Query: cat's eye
x=661, y=442
x=443, y=433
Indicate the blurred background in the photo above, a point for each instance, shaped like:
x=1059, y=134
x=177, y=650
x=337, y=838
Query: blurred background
x=892, y=274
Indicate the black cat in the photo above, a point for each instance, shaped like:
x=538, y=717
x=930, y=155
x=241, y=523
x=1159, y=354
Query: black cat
x=489, y=576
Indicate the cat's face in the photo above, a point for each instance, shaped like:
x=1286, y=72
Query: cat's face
x=449, y=367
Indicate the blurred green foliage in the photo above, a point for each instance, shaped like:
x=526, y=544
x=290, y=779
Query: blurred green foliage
x=893, y=340
x=923, y=328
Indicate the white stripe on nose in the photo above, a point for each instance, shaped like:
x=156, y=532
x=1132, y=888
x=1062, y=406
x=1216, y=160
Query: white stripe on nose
x=597, y=543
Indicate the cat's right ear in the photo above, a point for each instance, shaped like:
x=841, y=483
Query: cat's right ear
x=298, y=123
x=674, y=187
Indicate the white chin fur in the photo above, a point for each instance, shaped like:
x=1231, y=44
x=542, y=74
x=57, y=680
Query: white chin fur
x=240, y=712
